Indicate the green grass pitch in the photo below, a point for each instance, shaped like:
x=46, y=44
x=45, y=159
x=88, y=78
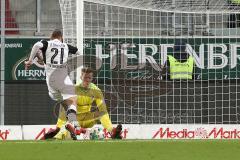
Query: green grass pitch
x=121, y=150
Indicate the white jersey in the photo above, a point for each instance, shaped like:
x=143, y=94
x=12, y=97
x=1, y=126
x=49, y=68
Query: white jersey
x=55, y=55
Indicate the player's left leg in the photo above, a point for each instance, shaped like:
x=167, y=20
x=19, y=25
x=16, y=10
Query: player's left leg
x=69, y=103
x=71, y=113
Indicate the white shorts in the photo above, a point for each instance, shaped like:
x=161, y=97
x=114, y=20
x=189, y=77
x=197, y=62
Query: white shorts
x=60, y=86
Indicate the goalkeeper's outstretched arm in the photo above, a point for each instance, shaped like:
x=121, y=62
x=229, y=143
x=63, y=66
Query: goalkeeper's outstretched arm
x=105, y=119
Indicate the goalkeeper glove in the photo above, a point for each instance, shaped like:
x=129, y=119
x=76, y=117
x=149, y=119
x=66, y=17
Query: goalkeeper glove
x=116, y=132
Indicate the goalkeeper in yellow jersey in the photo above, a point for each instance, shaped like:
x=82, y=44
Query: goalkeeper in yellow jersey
x=87, y=94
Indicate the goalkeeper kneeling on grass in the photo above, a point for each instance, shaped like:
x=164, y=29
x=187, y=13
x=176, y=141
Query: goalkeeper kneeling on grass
x=87, y=94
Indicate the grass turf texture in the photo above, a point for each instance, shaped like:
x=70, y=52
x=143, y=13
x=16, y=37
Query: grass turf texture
x=121, y=150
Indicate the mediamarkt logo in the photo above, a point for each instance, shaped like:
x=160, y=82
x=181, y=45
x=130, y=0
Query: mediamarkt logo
x=4, y=134
x=199, y=133
x=107, y=135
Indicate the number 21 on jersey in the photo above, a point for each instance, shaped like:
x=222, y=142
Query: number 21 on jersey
x=56, y=59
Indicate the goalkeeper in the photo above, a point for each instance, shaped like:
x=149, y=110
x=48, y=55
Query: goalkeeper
x=87, y=94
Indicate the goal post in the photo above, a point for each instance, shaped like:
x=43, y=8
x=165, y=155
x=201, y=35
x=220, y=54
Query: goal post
x=79, y=35
x=129, y=41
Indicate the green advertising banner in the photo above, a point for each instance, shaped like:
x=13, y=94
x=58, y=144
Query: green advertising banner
x=215, y=58
x=16, y=52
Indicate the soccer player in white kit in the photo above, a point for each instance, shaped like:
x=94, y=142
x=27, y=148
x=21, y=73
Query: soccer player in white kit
x=55, y=54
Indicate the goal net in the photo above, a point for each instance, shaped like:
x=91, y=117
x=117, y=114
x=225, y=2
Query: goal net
x=128, y=42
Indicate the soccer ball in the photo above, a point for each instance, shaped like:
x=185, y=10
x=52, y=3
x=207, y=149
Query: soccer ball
x=97, y=133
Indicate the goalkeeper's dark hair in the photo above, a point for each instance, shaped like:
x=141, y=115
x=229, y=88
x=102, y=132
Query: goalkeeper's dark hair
x=57, y=33
x=87, y=70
